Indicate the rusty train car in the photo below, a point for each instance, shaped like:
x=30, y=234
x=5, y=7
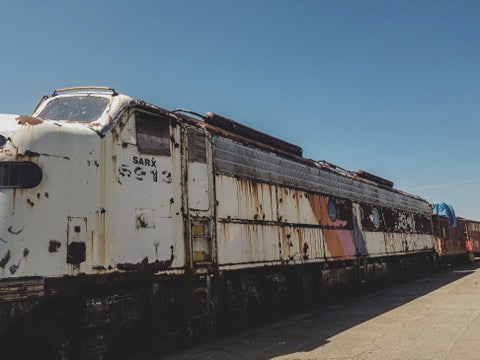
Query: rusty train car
x=455, y=238
x=472, y=232
x=451, y=243
x=126, y=226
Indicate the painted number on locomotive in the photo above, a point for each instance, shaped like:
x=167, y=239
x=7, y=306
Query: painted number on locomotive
x=148, y=166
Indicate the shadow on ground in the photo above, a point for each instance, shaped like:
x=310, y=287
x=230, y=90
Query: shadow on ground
x=312, y=329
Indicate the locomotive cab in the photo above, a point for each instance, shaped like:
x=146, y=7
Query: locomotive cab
x=88, y=166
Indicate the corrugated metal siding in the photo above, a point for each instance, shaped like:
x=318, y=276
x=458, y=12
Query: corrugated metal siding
x=235, y=159
x=473, y=230
x=450, y=240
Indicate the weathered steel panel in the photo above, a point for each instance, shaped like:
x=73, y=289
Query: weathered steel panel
x=300, y=207
x=237, y=159
x=380, y=243
x=418, y=242
x=146, y=195
x=34, y=224
x=198, y=198
x=247, y=243
x=302, y=244
x=240, y=198
x=372, y=230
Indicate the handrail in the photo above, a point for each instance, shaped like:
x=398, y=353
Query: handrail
x=81, y=88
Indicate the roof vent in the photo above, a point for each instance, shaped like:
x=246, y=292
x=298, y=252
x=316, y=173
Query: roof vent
x=245, y=131
x=374, y=178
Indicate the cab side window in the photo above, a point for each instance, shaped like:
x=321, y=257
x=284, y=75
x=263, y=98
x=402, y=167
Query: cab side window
x=153, y=134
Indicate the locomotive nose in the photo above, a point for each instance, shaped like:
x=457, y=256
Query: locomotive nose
x=9, y=126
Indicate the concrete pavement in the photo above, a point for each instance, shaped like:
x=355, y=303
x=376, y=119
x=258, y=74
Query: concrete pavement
x=434, y=317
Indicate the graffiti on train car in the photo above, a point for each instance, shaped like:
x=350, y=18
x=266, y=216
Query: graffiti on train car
x=377, y=218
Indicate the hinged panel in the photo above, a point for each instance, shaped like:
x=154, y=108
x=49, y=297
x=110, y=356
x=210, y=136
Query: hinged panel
x=76, y=240
x=198, y=172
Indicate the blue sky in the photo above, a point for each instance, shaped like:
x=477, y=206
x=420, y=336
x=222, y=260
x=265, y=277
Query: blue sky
x=391, y=87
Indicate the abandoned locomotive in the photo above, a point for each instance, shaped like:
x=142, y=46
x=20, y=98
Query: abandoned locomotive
x=126, y=226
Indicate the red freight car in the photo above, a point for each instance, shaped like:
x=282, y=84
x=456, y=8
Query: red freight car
x=472, y=229
x=451, y=242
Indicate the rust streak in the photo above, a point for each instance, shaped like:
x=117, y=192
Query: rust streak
x=29, y=120
x=301, y=241
x=250, y=190
x=317, y=203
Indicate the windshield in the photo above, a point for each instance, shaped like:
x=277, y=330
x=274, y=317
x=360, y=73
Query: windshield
x=76, y=108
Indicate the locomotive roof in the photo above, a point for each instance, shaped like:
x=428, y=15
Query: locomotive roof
x=215, y=124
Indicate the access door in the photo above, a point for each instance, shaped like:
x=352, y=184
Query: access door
x=200, y=196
